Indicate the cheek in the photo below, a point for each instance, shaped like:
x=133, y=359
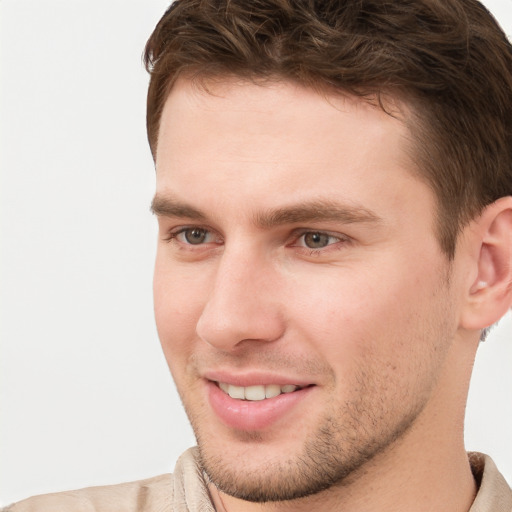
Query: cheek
x=372, y=314
x=385, y=344
x=178, y=302
x=336, y=304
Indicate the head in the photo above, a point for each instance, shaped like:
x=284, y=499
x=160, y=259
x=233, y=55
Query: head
x=331, y=183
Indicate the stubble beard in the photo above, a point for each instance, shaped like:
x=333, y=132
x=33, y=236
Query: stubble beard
x=340, y=449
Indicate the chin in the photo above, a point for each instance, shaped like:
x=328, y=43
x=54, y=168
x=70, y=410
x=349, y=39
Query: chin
x=251, y=468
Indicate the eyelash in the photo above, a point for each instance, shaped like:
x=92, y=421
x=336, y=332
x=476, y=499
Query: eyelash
x=316, y=250
x=174, y=234
x=296, y=236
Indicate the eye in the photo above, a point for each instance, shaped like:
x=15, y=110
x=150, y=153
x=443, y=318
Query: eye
x=317, y=240
x=194, y=236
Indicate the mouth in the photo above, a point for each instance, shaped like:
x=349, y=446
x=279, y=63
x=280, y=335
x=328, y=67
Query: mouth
x=258, y=392
x=258, y=406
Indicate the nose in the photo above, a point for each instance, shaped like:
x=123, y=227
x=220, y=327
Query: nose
x=243, y=303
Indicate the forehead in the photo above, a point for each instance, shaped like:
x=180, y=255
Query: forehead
x=273, y=104
x=255, y=140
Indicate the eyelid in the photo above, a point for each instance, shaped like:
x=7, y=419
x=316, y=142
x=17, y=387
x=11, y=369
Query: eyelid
x=296, y=235
x=173, y=234
x=300, y=233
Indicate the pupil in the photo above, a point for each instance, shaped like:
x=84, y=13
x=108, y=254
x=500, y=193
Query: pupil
x=195, y=236
x=316, y=240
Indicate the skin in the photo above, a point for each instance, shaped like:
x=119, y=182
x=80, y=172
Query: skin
x=372, y=319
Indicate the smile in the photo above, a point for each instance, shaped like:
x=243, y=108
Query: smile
x=256, y=406
x=255, y=393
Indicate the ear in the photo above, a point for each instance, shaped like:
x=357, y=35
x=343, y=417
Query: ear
x=489, y=294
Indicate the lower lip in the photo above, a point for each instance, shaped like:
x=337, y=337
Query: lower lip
x=253, y=415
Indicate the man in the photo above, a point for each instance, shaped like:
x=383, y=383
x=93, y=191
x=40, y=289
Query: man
x=334, y=199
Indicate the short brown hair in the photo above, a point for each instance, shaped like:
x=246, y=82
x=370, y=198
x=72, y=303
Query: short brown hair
x=448, y=59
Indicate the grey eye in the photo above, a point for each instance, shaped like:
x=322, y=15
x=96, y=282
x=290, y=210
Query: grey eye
x=195, y=236
x=316, y=240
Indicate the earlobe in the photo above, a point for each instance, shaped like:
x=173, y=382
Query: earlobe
x=490, y=294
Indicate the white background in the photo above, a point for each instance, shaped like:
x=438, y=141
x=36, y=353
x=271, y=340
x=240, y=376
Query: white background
x=85, y=393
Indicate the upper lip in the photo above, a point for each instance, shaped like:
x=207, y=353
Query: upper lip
x=253, y=378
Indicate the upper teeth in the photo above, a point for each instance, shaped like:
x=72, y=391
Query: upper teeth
x=256, y=392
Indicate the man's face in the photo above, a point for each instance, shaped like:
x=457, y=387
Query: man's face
x=297, y=259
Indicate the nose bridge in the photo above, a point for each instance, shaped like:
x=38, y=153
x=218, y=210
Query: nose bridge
x=242, y=304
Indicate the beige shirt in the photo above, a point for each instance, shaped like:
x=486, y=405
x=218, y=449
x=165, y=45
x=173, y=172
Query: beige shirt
x=186, y=491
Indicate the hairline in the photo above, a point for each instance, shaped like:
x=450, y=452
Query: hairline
x=396, y=102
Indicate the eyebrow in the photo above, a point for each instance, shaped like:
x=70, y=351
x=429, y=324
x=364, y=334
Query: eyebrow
x=311, y=211
x=168, y=207
x=315, y=211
